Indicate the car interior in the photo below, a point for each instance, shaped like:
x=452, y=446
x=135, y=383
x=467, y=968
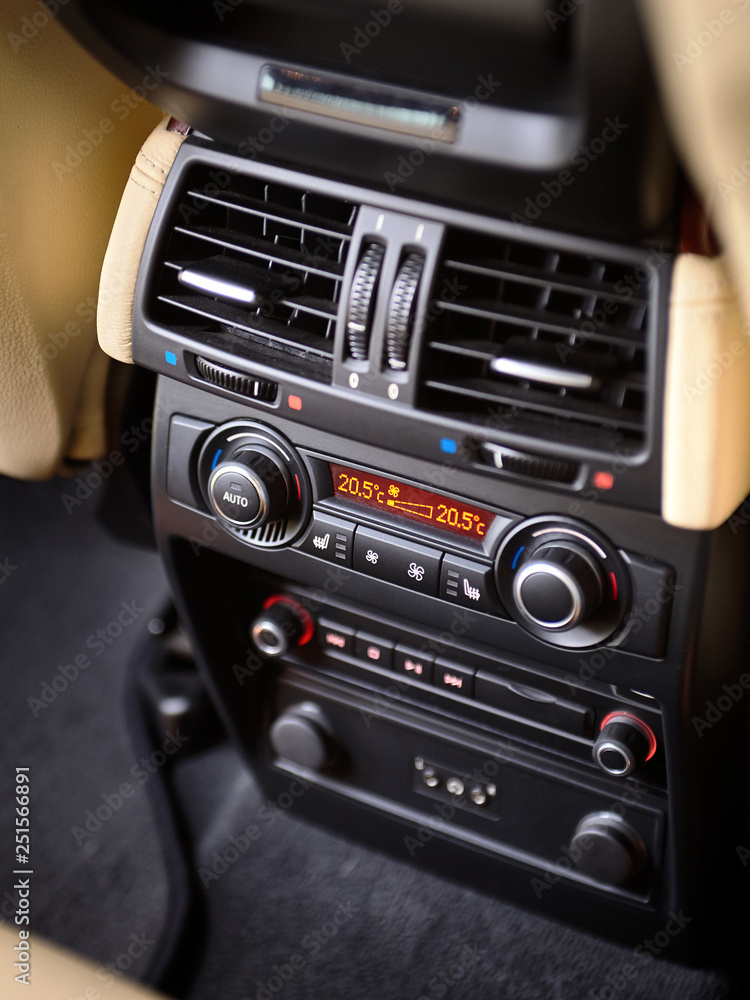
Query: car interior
x=374, y=464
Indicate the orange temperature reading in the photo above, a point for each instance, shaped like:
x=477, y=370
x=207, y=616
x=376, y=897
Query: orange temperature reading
x=395, y=497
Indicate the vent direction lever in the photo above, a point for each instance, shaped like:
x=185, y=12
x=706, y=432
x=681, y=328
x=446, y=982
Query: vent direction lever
x=233, y=281
x=542, y=371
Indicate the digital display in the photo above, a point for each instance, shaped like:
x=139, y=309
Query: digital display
x=415, y=504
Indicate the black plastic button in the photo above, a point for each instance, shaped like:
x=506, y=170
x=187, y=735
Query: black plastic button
x=412, y=663
x=335, y=638
x=378, y=652
x=469, y=584
x=654, y=588
x=235, y=496
x=329, y=538
x=454, y=677
x=397, y=560
x=533, y=705
x=184, y=434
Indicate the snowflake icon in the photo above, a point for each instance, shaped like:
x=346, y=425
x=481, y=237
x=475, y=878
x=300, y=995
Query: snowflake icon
x=393, y=491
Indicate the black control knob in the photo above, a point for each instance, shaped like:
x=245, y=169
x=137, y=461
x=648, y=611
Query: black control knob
x=250, y=489
x=607, y=849
x=624, y=744
x=302, y=736
x=559, y=587
x=282, y=625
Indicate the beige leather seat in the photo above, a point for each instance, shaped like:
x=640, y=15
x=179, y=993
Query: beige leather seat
x=56, y=974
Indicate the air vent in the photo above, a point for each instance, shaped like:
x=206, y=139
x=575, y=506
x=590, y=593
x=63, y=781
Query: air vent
x=255, y=268
x=542, y=344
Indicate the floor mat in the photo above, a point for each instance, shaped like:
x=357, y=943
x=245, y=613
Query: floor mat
x=301, y=914
x=74, y=604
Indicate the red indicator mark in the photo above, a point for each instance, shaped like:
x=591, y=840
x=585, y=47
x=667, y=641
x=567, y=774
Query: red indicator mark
x=299, y=496
x=295, y=403
x=613, y=578
x=646, y=730
x=603, y=480
x=302, y=612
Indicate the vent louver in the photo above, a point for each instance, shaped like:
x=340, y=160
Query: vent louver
x=539, y=343
x=255, y=268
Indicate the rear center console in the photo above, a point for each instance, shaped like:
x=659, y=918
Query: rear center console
x=407, y=470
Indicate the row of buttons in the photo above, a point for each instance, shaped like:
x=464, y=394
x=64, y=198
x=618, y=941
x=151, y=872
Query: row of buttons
x=380, y=652
x=529, y=703
x=419, y=568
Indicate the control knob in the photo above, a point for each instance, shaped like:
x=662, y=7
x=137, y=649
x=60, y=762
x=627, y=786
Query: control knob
x=249, y=489
x=302, y=735
x=559, y=587
x=607, y=849
x=281, y=625
x=624, y=743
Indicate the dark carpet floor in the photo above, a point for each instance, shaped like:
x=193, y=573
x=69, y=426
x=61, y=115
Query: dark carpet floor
x=74, y=605
x=304, y=915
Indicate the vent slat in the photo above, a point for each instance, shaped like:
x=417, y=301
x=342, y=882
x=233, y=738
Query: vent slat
x=528, y=399
x=241, y=243
x=536, y=276
x=481, y=351
x=545, y=321
x=275, y=213
x=251, y=323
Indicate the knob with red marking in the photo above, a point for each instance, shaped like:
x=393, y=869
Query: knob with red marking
x=282, y=625
x=624, y=744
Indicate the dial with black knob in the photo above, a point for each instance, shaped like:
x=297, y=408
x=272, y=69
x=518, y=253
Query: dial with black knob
x=559, y=586
x=282, y=625
x=255, y=483
x=303, y=736
x=607, y=848
x=624, y=744
x=562, y=581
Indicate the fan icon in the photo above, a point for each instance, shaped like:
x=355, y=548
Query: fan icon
x=393, y=491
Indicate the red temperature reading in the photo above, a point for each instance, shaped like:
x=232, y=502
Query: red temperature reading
x=396, y=497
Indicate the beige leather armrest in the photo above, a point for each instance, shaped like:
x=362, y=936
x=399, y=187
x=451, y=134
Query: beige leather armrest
x=701, y=52
x=706, y=464
x=70, y=132
x=123, y=257
x=57, y=974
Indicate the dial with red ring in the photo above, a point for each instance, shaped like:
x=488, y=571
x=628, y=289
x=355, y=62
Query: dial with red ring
x=562, y=581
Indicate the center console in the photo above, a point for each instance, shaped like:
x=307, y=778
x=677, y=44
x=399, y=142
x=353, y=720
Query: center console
x=455, y=628
x=407, y=466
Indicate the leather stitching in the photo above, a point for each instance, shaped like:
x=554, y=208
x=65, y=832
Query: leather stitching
x=154, y=165
x=143, y=187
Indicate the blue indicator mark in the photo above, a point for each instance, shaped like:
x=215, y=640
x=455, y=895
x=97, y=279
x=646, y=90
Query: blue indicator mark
x=449, y=446
x=516, y=557
x=170, y=357
x=216, y=459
